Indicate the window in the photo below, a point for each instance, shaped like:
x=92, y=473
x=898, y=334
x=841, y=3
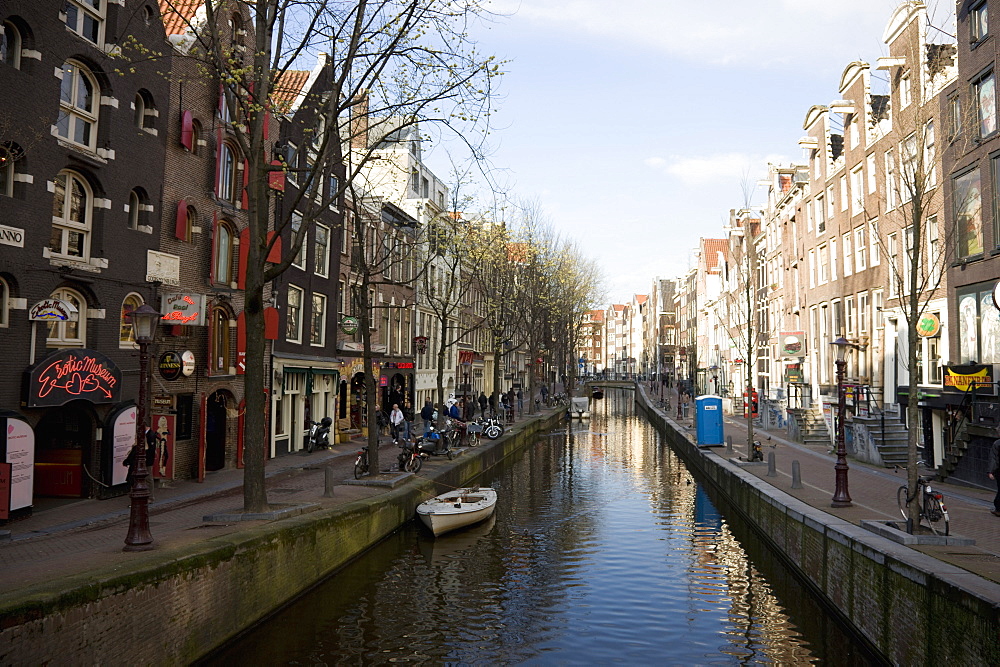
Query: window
x=892, y=251
x=857, y=191
x=300, y=259
x=293, y=315
x=195, y=137
x=995, y=163
x=86, y=18
x=877, y=301
x=850, y=313
x=831, y=209
x=955, y=112
x=978, y=325
x=67, y=333
x=833, y=259
x=415, y=181
x=978, y=23
x=823, y=259
x=78, y=102
x=317, y=320
x=820, y=215
x=187, y=224
x=332, y=186
x=890, y=179
x=126, y=335
x=968, y=214
x=221, y=359
x=874, y=255
x=8, y=156
x=859, y=249
x=225, y=242
x=10, y=46
x=72, y=206
x=905, y=91
x=322, y=250
x=910, y=183
x=872, y=176
x=138, y=208
x=930, y=153
x=863, y=312
x=228, y=186
x=984, y=93
x=425, y=188
x=342, y=308
x=139, y=117
x=935, y=254
x=848, y=259
x=911, y=256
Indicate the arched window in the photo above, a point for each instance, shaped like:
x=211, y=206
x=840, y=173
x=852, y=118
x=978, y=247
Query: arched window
x=67, y=333
x=72, y=211
x=10, y=45
x=225, y=235
x=138, y=205
x=228, y=186
x=78, y=103
x=140, y=110
x=221, y=360
x=195, y=136
x=86, y=18
x=4, y=300
x=9, y=153
x=236, y=21
x=126, y=335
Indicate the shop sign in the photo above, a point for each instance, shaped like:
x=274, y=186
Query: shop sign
x=793, y=343
x=19, y=446
x=349, y=325
x=929, y=325
x=162, y=267
x=11, y=236
x=187, y=309
x=404, y=365
x=122, y=433
x=67, y=375
x=187, y=363
x=959, y=379
x=465, y=357
x=793, y=373
x=383, y=381
x=53, y=310
x=170, y=365
x=162, y=402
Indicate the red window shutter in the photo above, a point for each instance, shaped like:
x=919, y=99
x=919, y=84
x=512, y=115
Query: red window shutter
x=274, y=254
x=270, y=323
x=218, y=159
x=241, y=279
x=215, y=241
x=276, y=179
x=181, y=223
x=187, y=130
x=245, y=201
x=241, y=343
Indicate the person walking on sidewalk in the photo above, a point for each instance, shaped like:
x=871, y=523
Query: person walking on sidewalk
x=427, y=414
x=994, y=468
x=395, y=421
x=483, y=402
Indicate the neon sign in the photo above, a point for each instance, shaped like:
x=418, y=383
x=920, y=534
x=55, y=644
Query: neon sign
x=71, y=374
x=183, y=309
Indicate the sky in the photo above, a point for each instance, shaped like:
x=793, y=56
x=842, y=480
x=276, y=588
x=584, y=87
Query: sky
x=636, y=123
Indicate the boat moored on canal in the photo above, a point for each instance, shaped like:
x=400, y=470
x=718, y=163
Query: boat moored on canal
x=457, y=509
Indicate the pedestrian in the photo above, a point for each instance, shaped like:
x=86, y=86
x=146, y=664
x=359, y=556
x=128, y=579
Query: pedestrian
x=994, y=468
x=520, y=401
x=427, y=414
x=395, y=421
x=483, y=402
x=468, y=409
x=131, y=460
x=454, y=411
x=545, y=394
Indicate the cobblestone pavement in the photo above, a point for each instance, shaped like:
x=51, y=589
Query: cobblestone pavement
x=872, y=490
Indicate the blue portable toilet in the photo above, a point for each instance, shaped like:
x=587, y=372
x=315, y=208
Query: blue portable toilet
x=709, y=411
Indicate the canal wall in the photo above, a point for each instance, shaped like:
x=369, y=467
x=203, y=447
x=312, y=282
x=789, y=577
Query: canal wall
x=914, y=609
x=173, y=606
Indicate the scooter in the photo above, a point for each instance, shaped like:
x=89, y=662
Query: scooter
x=319, y=434
x=434, y=443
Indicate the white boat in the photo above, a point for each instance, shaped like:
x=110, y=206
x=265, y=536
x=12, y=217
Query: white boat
x=579, y=408
x=458, y=508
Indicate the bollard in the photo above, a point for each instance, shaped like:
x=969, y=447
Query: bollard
x=328, y=482
x=771, y=467
x=729, y=445
x=796, y=475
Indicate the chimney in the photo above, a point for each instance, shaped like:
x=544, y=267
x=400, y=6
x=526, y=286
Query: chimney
x=359, y=122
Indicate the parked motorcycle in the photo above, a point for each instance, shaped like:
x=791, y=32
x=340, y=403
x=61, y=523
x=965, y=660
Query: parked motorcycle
x=491, y=427
x=410, y=458
x=319, y=434
x=435, y=443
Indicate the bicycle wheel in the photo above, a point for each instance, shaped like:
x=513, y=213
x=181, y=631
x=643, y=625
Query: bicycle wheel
x=360, y=467
x=901, y=496
x=934, y=511
x=310, y=445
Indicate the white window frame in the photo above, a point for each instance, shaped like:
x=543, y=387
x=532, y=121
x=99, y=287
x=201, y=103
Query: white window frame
x=293, y=314
x=845, y=241
x=69, y=334
x=300, y=259
x=833, y=258
x=318, y=311
x=64, y=226
x=860, y=258
x=12, y=41
x=80, y=11
x=930, y=155
x=871, y=163
x=126, y=341
x=322, y=260
x=874, y=252
x=823, y=262
x=863, y=307
x=75, y=118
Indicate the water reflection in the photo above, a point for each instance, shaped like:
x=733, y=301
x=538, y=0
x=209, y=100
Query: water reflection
x=603, y=548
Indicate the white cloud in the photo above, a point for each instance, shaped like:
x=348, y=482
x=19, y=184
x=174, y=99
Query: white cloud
x=654, y=162
x=717, y=168
x=747, y=32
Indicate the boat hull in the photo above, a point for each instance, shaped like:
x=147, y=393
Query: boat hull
x=457, y=509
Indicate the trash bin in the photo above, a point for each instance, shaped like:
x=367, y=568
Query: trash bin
x=708, y=409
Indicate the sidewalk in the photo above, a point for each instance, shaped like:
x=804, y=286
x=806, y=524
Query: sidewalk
x=872, y=490
x=72, y=537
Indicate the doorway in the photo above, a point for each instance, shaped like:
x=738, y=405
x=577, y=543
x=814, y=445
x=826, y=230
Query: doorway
x=63, y=441
x=216, y=420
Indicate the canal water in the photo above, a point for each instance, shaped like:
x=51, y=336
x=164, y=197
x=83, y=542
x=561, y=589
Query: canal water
x=604, y=548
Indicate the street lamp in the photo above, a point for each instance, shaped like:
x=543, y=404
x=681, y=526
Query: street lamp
x=841, y=498
x=144, y=321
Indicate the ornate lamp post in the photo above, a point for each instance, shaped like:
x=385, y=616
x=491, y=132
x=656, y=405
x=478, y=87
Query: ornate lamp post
x=841, y=498
x=144, y=321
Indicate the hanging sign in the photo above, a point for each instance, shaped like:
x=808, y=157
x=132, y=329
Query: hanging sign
x=67, y=375
x=965, y=378
x=793, y=343
x=53, y=310
x=187, y=363
x=928, y=326
x=349, y=325
x=170, y=365
x=183, y=309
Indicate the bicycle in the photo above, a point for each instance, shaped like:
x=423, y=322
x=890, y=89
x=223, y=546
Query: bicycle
x=361, y=463
x=932, y=507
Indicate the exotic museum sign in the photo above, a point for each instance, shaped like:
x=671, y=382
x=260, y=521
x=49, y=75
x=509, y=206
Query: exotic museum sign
x=67, y=375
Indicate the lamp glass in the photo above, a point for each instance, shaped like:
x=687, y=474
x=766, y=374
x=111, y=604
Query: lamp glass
x=144, y=321
x=841, y=345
